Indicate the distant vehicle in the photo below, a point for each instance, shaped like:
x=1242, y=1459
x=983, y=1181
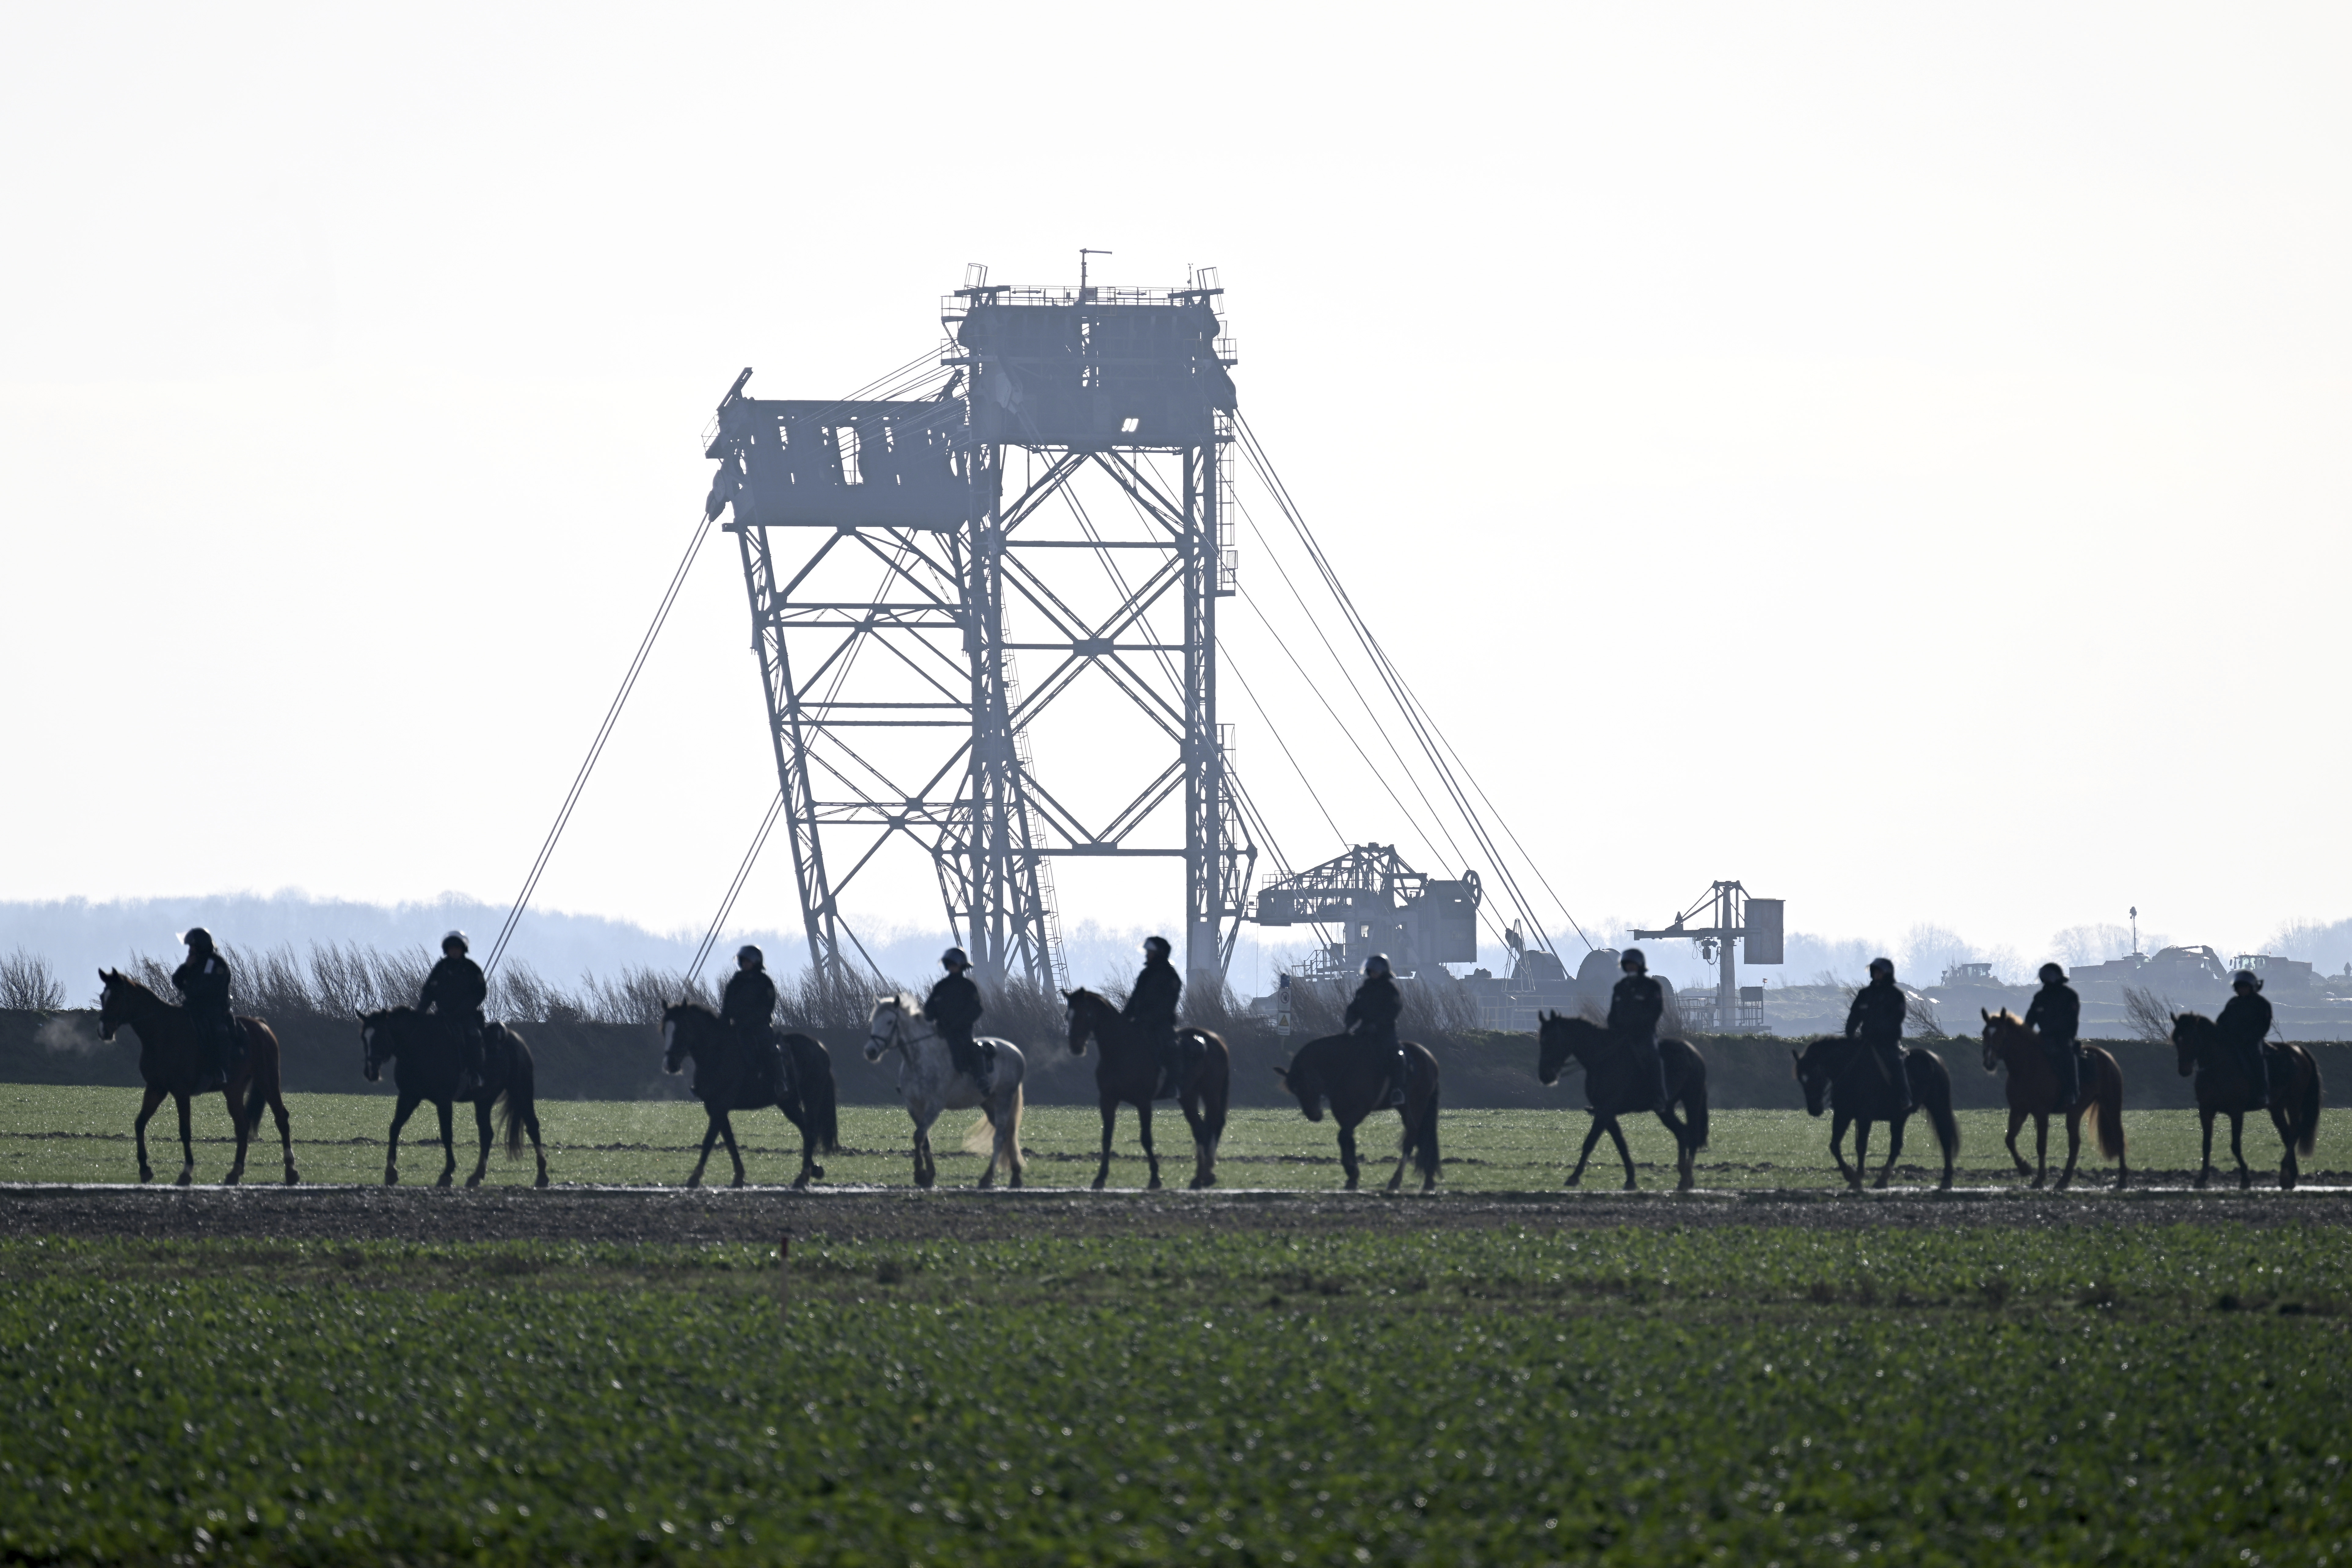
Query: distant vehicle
x=2278, y=973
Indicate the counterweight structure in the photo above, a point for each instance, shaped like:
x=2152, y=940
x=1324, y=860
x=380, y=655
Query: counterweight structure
x=1062, y=499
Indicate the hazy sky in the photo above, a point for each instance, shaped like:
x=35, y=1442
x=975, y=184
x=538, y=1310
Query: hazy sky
x=1891, y=455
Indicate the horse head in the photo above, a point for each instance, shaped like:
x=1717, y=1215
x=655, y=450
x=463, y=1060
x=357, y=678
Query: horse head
x=1556, y=1040
x=113, y=1002
x=377, y=1044
x=1085, y=1011
x=2190, y=1034
x=1303, y=1078
x=1814, y=1072
x=2001, y=1032
x=679, y=1044
x=882, y=1027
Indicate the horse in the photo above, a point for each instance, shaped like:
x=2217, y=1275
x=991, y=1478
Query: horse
x=2224, y=1088
x=930, y=1083
x=169, y=1058
x=2033, y=1091
x=1128, y=1070
x=1352, y=1076
x=722, y=1084
x=1617, y=1085
x=428, y=1068
x=1846, y=1070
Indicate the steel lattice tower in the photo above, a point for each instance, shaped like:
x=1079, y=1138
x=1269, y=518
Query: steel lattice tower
x=901, y=557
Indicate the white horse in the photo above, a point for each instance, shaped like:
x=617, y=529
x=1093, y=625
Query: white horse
x=930, y=1083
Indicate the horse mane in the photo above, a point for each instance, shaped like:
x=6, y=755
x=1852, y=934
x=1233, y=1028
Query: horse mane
x=137, y=988
x=1081, y=993
x=689, y=1004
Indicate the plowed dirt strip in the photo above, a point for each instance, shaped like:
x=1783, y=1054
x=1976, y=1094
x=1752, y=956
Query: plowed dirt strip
x=638, y=1214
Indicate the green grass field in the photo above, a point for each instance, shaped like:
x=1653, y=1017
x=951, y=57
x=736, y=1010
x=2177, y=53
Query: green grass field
x=65, y=1135
x=1758, y=1396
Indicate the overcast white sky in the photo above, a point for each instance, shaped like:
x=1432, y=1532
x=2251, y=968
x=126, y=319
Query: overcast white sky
x=1891, y=455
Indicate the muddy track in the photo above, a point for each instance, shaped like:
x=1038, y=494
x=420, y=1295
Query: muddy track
x=638, y=1215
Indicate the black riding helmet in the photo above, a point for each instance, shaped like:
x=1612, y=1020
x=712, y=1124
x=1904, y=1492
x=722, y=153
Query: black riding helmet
x=198, y=938
x=1633, y=962
x=1156, y=947
x=2052, y=975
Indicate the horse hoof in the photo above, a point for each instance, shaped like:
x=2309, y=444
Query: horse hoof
x=293, y=1178
x=1152, y=1185
x=738, y=1182
x=1015, y=1182
x=392, y=1178
x=444, y=1180
x=1687, y=1185
x=473, y=1181
x=694, y=1181
x=232, y=1178
x=146, y=1175
x=1944, y=1186
x=187, y=1178
x=817, y=1171
x=542, y=1180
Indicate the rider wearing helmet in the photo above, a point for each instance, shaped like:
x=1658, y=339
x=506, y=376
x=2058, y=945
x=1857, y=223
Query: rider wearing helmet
x=453, y=992
x=203, y=983
x=954, y=1006
x=1876, y=1018
x=1372, y=1019
x=1150, y=1011
x=2057, y=1012
x=748, y=1005
x=2245, y=1023
x=1636, y=1003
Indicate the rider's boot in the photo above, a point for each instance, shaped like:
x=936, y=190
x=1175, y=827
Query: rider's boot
x=1903, y=1083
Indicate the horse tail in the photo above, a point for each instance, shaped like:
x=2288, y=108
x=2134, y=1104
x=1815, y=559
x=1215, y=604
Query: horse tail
x=1420, y=1139
x=819, y=1100
x=515, y=1106
x=2309, y=1095
x=1695, y=1098
x=261, y=1085
x=2107, y=1110
x=1216, y=1089
x=1012, y=1130
x=1933, y=1087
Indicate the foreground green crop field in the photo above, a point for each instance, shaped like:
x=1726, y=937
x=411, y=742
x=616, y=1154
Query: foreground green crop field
x=1737, y=1395
x=62, y=1135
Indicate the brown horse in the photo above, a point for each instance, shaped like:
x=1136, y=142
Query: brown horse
x=1835, y=1070
x=1355, y=1078
x=2224, y=1088
x=168, y=1055
x=1616, y=1087
x=1128, y=1070
x=2033, y=1091
x=725, y=1082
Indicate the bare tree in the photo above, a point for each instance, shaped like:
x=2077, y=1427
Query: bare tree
x=2146, y=1015
x=1919, y=1016
x=28, y=984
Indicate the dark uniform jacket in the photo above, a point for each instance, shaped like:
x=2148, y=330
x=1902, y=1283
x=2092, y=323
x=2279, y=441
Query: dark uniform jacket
x=954, y=1006
x=1374, y=1012
x=1877, y=1012
x=2245, y=1021
x=1636, y=1003
x=2057, y=1012
x=1151, y=1006
x=456, y=989
x=750, y=1004
x=204, y=987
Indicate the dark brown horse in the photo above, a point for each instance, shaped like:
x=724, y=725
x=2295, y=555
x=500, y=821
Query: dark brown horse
x=1354, y=1078
x=1836, y=1069
x=2033, y=1091
x=168, y=1055
x=725, y=1082
x=426, y=1067
x=2224, y=1088
x=1616, y=1086
x=1128, y=1070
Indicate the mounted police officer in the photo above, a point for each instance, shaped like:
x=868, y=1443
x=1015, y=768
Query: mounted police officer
x=1373, y=1015
x=1150, y=1011
x=954, y=1006
x=749, y=1006
x=1636, y=1003
x=2057, y=1012
x=203, y=982
x=1876, y=1018
x=2245, y=1024
x=453, y=992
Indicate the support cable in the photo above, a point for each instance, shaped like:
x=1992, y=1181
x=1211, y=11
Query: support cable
x=596, y=747
x=735, y=888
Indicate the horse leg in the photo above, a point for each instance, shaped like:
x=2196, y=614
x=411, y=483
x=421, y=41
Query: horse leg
x=1204, y=1173
x=1150, y=1155
x=2017, y=1125
x=2205, y=1169
x=237, y=1120
x=2041, y=1148
x=1860, y=1152
x=284, y=1136
x=531, y=1125
x=1685, y=1154
x=2237, y=1149
x=446, y=1110
x=810, y=1168
x=187, y=1144
x=1894, y=1152
x=399, y=1115
x=2288, y=1171
x=709, y=1138
x=1110, y=1124
x=1839, y=1122
x=1347, y=1153
x=726, y=1136
x=1592, y=1137
x=154, y=1098
x=1624, y=1154
x=2074, y=1146
x=927, y=1168
x=482, y=1129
